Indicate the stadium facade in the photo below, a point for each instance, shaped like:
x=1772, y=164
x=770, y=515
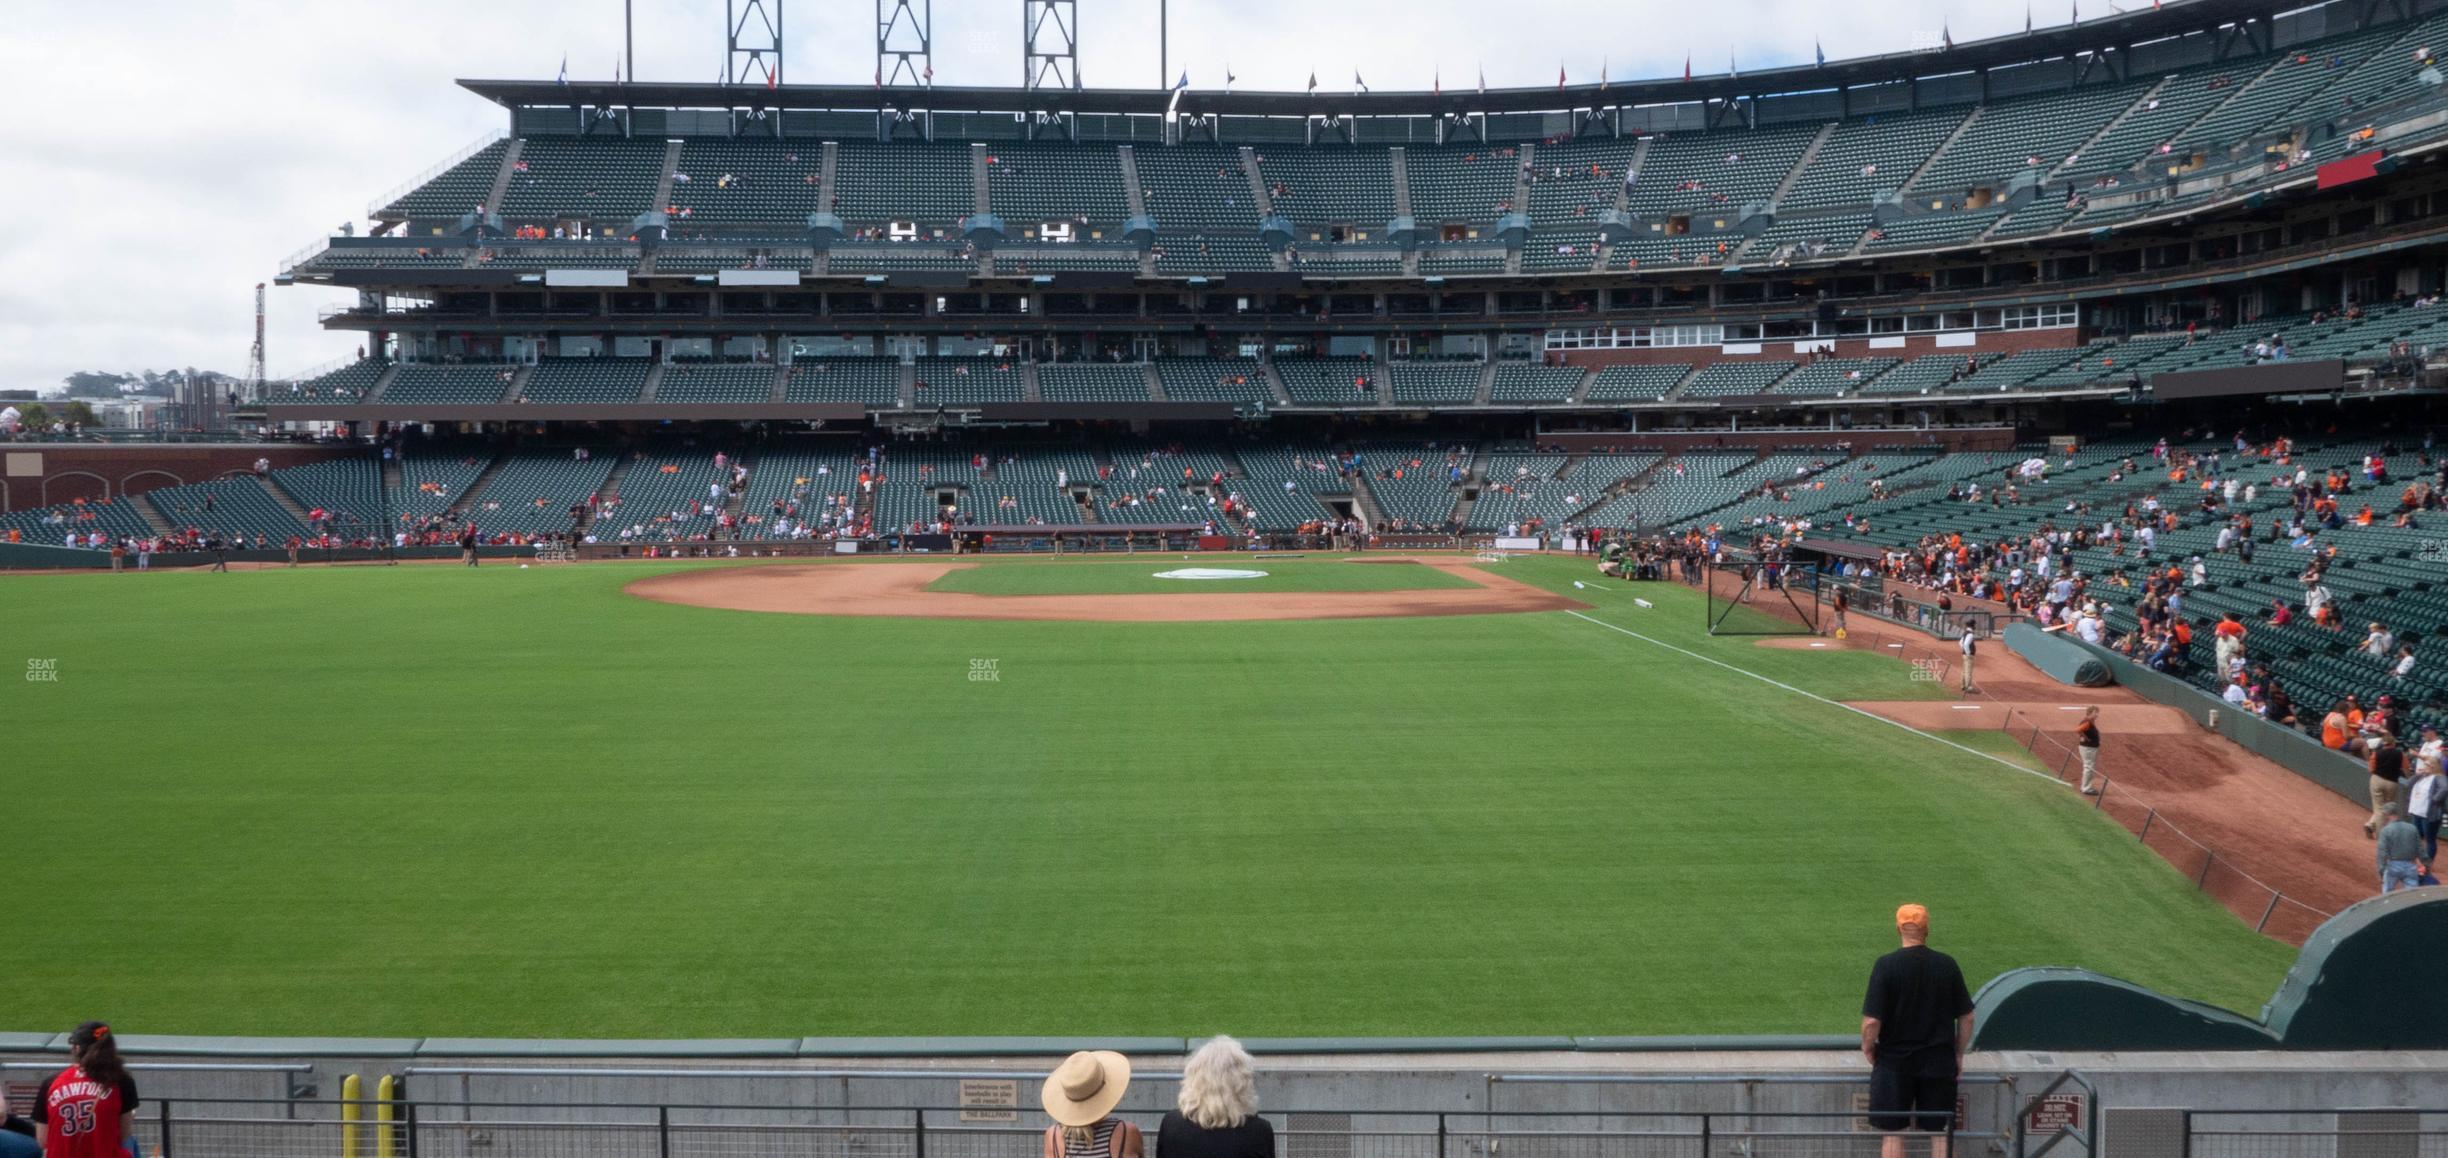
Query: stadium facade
x=1943, y=237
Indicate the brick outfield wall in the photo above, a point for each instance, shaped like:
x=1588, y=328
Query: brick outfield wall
x=1988, y=346
x=60, y=473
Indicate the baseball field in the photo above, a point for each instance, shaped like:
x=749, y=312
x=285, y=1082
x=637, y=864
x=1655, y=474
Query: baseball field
x=423, y=800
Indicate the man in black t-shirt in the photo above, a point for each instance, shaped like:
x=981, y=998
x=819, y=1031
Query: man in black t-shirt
x=1916, y=1021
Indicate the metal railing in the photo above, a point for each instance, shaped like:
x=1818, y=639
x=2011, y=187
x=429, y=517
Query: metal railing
x=375, y=207
x=2376, y=1133
x=377, y=1128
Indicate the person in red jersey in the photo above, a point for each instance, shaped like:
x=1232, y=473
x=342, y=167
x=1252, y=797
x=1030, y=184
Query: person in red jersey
x=88, y=1111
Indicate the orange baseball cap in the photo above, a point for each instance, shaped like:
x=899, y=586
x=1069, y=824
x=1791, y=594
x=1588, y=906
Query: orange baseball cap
x=1912, y=915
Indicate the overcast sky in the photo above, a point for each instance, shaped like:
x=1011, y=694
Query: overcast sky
x=165, y=155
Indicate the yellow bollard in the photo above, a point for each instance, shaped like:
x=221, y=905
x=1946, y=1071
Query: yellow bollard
x=386, y=1098
x=350, y=1090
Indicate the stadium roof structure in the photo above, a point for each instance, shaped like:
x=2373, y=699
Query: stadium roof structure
x=2102, y=40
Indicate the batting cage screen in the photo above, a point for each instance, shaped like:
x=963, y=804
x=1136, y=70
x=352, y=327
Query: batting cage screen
x=1774, y=598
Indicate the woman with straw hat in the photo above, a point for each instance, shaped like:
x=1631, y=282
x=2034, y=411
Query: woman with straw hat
x=1080, y=1095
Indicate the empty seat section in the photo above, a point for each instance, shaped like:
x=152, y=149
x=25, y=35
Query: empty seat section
x=1829, y=377
x=1748, y=376
x=1213, y=380
x=1868, y=158
x=1092, y=382
x=1331, y=381
x=744, y=180
x=453, y=192
x=565, y=380
x=351, y=383
x=533, y=490
x=1033, y=184
x=445, y=384
x=1637, y=383
x=931, y=186
x=604, y=180
x=873, y=381
x=230, y=506
x=1524, y=382
x=2029, y=133
x=716, y=383
x=1440, y=383
x=967, y=380
x=347, y=490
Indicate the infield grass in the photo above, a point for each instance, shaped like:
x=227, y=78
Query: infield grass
x=1063, y=577
x=430, y=801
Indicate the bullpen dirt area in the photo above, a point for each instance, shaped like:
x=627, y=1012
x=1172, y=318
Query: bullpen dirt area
x=900, y=590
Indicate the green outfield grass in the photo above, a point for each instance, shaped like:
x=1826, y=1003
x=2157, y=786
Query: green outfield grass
x=426, y=800
x=1138, y=577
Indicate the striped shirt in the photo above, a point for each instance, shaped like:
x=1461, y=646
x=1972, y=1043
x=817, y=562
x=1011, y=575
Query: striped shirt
x=1098, y=1143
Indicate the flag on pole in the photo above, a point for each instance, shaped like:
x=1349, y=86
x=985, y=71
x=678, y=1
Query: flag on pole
x=1229, y=77
x=564, y=81
x=1946, y=37
x=2027, y=23
x=1482, y=80
x=773, y=78
x=1184, y=82
x=1559, y=77
x=1605, y=66
x=929, y=74
x=1436, y=82
x=1819, y=52
x=1358, y=85
x=1313, y=80
x=1687, y=68
x=1732, y=69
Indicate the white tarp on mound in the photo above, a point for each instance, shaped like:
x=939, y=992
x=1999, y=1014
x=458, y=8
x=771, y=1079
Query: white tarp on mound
x=1210, y=573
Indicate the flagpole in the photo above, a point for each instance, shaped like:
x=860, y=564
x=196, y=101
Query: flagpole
x=629, y=35
x=1163, y=33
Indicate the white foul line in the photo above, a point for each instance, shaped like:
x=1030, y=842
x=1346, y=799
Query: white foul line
x=2051, y=778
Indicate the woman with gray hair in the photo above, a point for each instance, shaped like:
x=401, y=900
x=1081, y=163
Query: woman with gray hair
x=1216, y=1115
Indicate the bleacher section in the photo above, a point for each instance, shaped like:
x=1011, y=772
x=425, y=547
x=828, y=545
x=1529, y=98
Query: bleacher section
x=944, y=381
x=452, y=193
x=448, y=384
x=533, y=491
x=1436, y=383
x=587, y=380
x=347, y=490
x=663, y=497
x=1414, y=483
x=744, y=180
x=713, y=383
x=1637, y=383
x=1031, y=185
x=1733, y=377
x=230, y=506
x=929, y=185
x=1524, y=383
x=50, y=526
x=350, y=383
x=1237, y=380
x=1326, y=381
x=1460, y=186
x=1276, y=507
x=1092, y=382
x=873, y=381
x=1320, y=187
x=604, y=180
x=1829, y=377
x=1868, y=158
x=433, y=480
x=2025, y=135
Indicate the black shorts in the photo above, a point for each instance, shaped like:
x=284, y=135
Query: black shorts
x=1897, y=1092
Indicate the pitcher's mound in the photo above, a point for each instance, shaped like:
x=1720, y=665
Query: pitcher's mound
x=900, y=590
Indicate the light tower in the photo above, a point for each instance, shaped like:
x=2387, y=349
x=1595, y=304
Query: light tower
x=1049, y=44
x=753, y=42
x=905, y=42
x=255, y=357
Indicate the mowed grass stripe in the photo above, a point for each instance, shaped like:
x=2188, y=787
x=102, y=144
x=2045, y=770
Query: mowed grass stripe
x=431, y=801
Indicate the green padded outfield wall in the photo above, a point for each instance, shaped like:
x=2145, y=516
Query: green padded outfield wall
x=2350, y=989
